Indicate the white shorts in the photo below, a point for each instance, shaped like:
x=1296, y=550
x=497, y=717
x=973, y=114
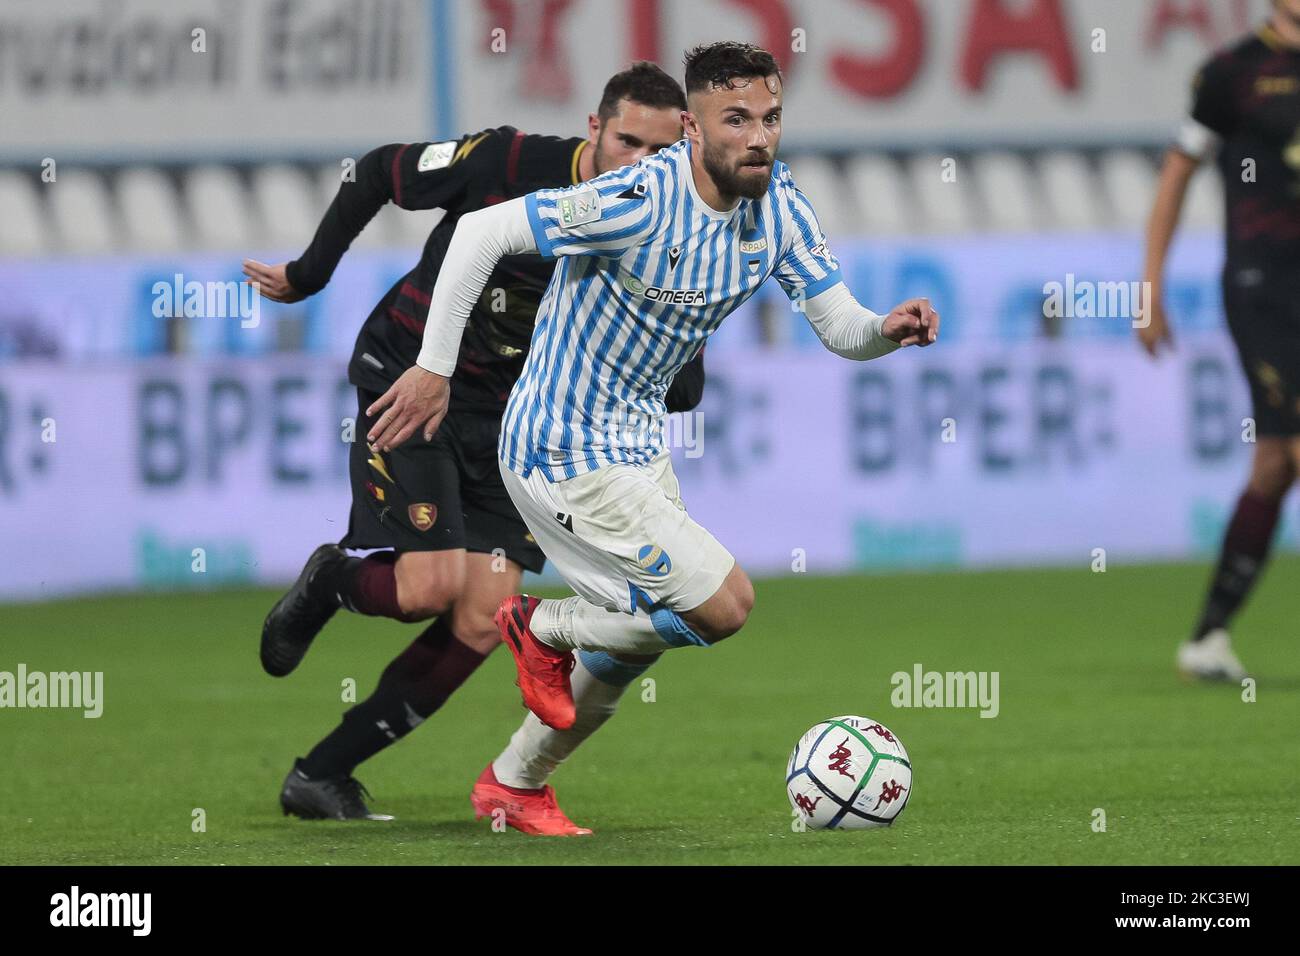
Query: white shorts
x=621, y=536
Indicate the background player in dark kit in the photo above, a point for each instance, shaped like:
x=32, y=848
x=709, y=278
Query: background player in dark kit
x=440, y=505
x=1246, y=104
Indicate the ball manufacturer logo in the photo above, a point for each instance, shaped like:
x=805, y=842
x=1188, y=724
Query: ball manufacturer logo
x=654, y=560
x=422, y=515
x=889, y=792
x=839, y=760
x=882, y=732
x=804, y=804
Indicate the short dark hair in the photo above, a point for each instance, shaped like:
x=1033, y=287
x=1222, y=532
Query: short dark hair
x=645, y=83
x=720, y=64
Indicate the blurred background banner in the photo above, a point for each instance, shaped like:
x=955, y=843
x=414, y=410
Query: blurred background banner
x=876, y=71
x=999, y=157
x=194, y=79
x=187, y=473
x=1030, y=448
x=796, y=460
x=100, y=80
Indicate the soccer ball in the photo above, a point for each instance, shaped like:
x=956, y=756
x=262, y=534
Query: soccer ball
x=849, y=773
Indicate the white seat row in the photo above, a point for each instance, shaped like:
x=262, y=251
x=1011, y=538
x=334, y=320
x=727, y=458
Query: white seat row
x=277, y=206
x=994, y=191
x=274, y=208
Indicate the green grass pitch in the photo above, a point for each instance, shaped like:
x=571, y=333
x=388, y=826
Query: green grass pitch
x=1091, y=716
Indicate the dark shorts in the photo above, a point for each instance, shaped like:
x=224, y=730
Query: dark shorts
x=438, y=495
x=1263, y=307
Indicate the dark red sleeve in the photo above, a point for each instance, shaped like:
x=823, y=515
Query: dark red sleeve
x=410, y=175
x=1214, y=100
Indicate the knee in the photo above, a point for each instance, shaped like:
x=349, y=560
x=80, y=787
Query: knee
x=730, y=613
x=422, y=602
x=422, y=596
x=738, y=611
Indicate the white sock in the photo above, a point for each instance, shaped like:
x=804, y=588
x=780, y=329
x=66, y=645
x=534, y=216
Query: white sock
x=536, y=750
x=572, y=623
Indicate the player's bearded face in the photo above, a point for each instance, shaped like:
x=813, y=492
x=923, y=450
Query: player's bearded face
x=740, y=130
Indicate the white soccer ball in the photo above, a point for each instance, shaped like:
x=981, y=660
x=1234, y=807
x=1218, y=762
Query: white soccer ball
x=849, y=773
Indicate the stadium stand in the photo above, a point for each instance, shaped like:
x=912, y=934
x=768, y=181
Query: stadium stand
x=242, y=208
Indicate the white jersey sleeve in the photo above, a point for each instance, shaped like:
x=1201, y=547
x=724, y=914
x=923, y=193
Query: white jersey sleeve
x=602, y=217
x=807, y=266
x=480, y=241
x=845, y=327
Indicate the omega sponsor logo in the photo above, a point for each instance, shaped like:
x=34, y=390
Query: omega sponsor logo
x=657, y=294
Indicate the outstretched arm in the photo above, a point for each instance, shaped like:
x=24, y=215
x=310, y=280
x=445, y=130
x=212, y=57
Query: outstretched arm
x=855, y=332
x=420, y=396
x=808, y=270
x=409, y=175
x=354, y=205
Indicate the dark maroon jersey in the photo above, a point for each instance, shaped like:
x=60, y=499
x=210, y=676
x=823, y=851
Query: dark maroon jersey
x=1249, y=96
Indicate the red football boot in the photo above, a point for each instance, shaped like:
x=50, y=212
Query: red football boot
x=543, y=671
x=528, y=811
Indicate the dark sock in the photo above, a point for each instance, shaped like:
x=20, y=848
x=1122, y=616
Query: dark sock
x=412, y=687
x=1245, y=549
x=369, y=585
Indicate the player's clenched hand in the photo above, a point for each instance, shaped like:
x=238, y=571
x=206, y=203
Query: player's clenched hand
x=1155, y=329
x=912, y=322
x=272, y=281
x=418, y=398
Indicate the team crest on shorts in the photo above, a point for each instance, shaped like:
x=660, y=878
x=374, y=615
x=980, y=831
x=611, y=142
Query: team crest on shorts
x=654, y=560
x=422, y=515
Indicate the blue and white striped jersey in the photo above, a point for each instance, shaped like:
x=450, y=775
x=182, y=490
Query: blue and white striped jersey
x=647, y=271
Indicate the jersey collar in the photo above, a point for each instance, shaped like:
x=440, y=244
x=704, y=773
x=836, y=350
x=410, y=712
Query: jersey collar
x=573, y=166
x=1271, y=39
